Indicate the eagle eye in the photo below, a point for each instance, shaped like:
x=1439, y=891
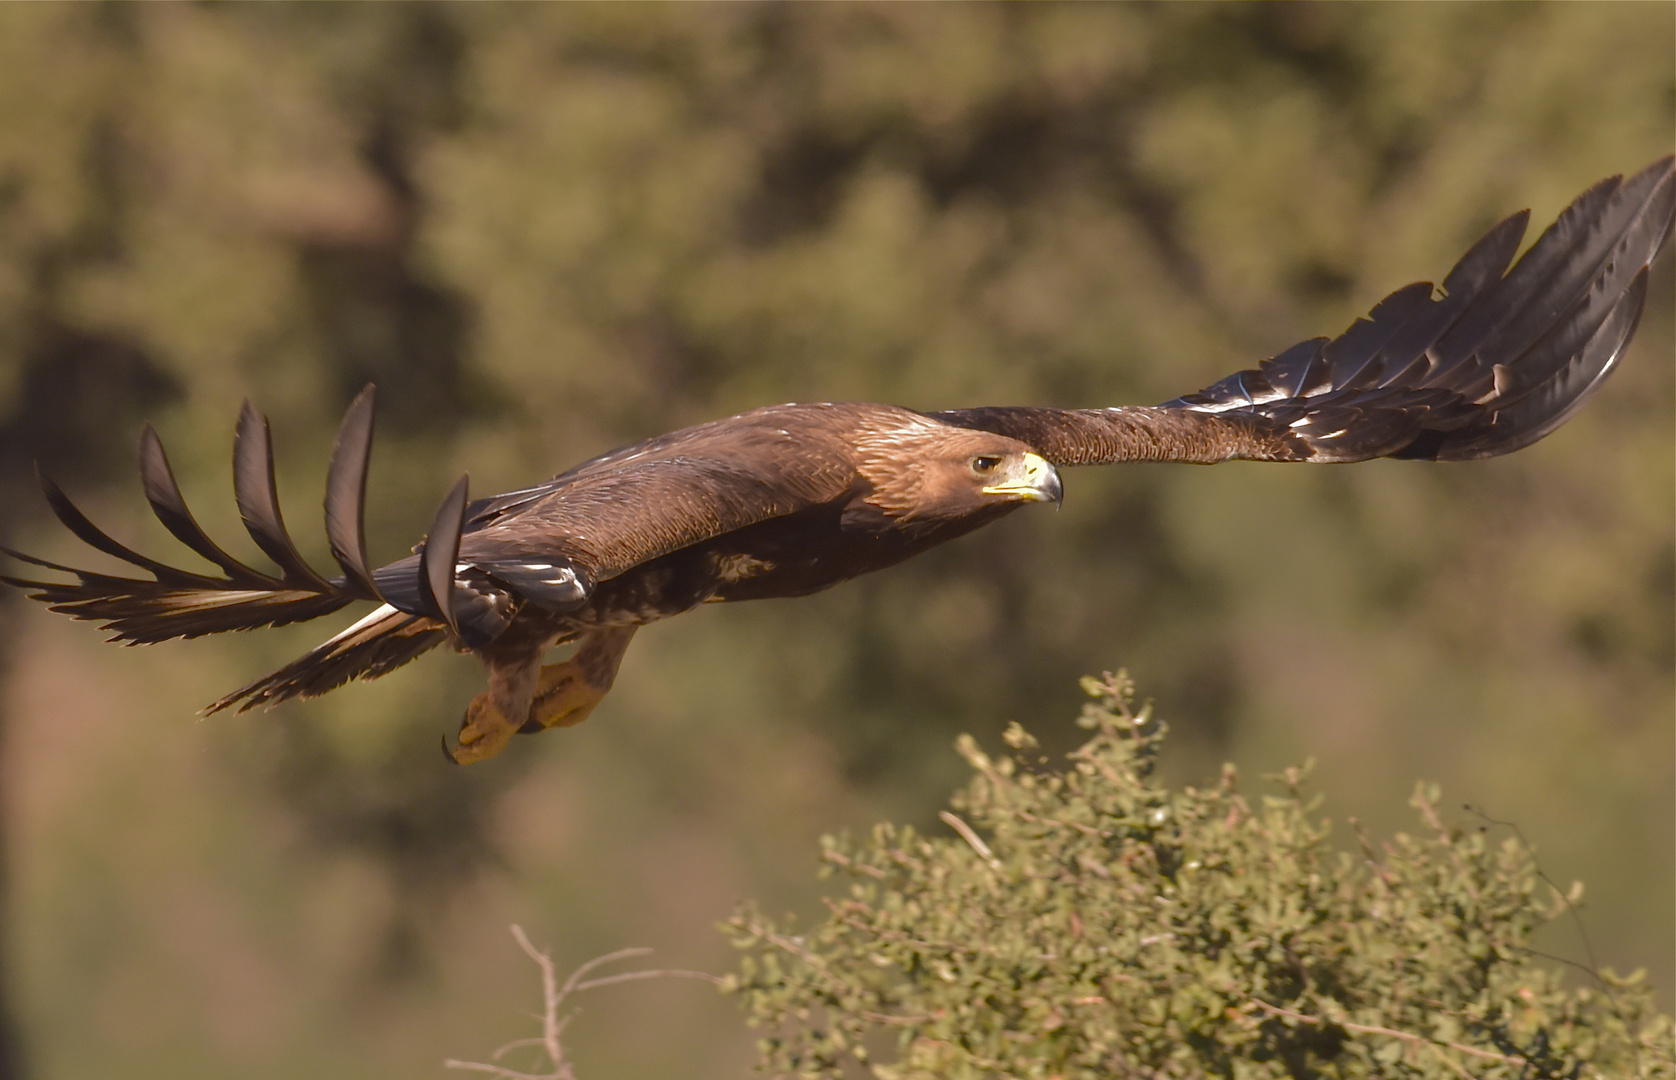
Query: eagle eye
x=985, y=463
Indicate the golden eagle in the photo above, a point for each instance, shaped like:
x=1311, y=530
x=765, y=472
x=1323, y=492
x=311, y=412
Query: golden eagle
x=791, y=499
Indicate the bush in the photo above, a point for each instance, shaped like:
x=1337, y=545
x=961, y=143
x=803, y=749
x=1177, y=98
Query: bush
x=1110, y=927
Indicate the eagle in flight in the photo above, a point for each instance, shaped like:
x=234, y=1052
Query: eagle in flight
x=788, y=500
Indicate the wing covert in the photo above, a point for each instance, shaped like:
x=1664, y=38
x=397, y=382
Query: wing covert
x=1133, y=433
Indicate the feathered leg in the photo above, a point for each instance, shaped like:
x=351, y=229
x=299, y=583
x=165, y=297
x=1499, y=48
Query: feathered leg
x=489, y=721
x=524, y=696
x=567, y=693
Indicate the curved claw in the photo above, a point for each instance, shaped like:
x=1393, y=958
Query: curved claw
x=484, y=732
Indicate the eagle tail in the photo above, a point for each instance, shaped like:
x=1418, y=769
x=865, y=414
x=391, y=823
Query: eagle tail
x=1494, y=363
x=383, y=641
x=175, y=603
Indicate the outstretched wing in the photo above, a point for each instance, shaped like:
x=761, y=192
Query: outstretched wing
x=1494, y=363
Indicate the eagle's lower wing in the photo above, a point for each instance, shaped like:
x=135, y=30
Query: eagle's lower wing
x=1494, y=363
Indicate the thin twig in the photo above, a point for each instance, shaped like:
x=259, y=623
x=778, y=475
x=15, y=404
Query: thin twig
x=1429, y=813
x=553, y=997
x=651, y=973
x=784, y=943
x=1570, y=909
x=971, y=838
x=505, y=1073
x=1407, y=1036
x=893, y=1021
x=1086, y=830
x=837, y=858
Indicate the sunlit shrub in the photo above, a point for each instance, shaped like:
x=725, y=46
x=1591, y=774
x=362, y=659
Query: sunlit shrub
x=1089, y=922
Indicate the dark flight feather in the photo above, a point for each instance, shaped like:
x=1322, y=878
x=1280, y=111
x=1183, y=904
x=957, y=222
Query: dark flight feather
x=375, y=646
x=257, y=494
x=790, y=499
x=442, y=549
x=84, y=530
x=346, y=495
x=169, y=505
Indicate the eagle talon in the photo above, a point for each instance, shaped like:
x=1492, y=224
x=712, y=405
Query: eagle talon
x=484, y=732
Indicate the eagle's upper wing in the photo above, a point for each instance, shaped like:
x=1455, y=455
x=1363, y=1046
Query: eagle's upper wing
x=609, y=520
x=1493, y=364
x=553, y=543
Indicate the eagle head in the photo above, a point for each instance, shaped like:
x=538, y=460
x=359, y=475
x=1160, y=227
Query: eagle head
x=938, y=472
x=1018, y=477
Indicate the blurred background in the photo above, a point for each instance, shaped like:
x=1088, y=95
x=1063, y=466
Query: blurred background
x=548, y=230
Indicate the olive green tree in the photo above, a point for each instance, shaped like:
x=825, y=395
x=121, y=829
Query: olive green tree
x=1091, y=922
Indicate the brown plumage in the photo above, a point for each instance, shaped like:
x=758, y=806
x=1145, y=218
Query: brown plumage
x=791, y=499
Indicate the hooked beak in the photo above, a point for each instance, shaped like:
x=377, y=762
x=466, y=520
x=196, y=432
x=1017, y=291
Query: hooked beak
x=1029, y=479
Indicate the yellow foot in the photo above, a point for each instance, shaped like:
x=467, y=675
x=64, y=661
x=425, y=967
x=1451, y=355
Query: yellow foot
x=483, y=733
x=563, y=697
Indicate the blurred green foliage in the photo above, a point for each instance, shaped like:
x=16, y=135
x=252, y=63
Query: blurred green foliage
x=550, y=229
x=1111, y=926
